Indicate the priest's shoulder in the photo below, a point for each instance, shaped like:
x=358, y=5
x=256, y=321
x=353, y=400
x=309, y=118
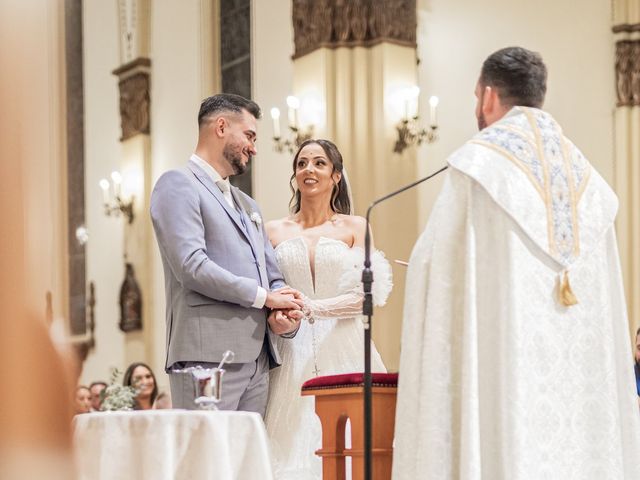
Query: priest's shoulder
x=467, y=155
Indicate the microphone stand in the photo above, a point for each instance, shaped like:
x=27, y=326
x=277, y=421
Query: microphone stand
x=367, y=311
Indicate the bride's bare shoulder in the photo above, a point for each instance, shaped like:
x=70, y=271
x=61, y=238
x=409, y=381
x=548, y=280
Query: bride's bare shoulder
x=356, y=226
x=278, y=230
x=354, y=222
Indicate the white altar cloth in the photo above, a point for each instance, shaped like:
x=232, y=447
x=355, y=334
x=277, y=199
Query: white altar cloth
x=171, y=444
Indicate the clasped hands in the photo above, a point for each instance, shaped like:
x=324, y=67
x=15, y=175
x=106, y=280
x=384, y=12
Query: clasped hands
x=286, y=306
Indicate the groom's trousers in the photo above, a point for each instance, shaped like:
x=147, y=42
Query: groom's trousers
x=245, y=386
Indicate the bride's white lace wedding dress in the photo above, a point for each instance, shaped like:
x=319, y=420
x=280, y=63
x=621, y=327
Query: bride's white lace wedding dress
x=332, y=344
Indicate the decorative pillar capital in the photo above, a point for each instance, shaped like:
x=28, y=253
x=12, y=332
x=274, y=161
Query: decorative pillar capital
x=628, y=73
x=352, y=23
x=135, y=99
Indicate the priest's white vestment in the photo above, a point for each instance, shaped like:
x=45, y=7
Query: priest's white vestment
x=503, y=376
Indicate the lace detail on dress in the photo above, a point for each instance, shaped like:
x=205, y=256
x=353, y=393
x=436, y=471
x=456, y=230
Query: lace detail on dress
x=293, y=427
x=349, y=304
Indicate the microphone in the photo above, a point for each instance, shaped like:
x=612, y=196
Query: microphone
x=367, y=310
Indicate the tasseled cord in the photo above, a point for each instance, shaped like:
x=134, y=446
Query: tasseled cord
x=565, y=294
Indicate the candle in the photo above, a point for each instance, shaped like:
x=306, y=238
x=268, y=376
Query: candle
x=275, y=115
x=293, y=103
x=433, y=104
x=415, y=101
x=104, y=185
x=117, y=181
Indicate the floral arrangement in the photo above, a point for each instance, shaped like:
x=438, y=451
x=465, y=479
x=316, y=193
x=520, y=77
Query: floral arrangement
x=117, y=396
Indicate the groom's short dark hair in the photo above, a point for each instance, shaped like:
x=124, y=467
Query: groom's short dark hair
x=226, y=102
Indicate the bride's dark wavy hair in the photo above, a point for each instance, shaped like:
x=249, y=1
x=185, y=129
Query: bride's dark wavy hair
x=340, y=195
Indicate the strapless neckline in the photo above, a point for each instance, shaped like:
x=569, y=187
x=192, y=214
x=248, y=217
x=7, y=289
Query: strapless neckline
x=301, y=239
x=310, y=273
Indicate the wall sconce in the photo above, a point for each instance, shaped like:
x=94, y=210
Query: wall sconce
x=116, y=206
x=298, y=133
x=409, y=132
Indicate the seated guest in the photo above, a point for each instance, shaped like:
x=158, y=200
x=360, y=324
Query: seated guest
x=82, y=400
x=96, y=389
x=140, y=377
x=163, y=401
x=636, y=352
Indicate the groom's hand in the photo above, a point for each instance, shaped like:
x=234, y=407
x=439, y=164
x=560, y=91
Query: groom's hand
x=282, y=324
x=289, y=291
x=285, y=298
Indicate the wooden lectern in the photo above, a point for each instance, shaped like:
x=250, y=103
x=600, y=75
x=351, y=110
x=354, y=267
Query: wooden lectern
x=340, y=397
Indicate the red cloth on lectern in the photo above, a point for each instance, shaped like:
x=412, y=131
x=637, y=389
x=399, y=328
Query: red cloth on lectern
x=351, y=380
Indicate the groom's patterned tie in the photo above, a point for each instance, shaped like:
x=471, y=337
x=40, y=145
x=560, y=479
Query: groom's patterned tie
x=225, y=188
x=226, y=192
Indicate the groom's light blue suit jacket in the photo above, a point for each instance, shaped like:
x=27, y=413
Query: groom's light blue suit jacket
x=214, y=259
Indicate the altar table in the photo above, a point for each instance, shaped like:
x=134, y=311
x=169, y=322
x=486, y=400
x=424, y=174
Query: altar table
x=171, y=444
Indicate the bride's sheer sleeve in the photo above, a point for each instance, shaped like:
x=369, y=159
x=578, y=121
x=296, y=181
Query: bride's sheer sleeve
x=349, y=303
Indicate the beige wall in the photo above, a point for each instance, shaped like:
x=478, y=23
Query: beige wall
x=272, y=70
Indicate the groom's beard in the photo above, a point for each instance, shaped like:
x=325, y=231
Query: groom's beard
x=233, y=155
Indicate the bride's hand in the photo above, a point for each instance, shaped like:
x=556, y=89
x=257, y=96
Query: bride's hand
x=294, y=315
x=283, y=300
x=281, y=324
x=287, y=290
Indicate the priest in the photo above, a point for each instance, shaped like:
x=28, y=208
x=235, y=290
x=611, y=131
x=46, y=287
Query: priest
x=516, y=361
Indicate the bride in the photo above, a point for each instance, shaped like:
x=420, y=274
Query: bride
x=319, y=251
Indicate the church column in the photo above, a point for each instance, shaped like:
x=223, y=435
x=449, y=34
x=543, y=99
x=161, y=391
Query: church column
x=137, y=317
x=626, y=28
x=351, y=60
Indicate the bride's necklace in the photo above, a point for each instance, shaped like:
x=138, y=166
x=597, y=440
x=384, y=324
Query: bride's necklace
x=333, y=218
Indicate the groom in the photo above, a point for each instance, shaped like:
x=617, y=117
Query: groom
x=220, y=270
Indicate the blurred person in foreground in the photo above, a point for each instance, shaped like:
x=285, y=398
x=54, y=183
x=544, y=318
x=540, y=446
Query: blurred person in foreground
x=515, y=347
x=636, y=355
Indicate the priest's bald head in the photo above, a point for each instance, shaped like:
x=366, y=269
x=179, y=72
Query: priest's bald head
x=510, y=77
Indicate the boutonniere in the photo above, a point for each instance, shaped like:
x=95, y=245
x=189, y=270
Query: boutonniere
x=256, y=218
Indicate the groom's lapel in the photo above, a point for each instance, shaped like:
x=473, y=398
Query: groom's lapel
x=253, y=230
x=215, y=191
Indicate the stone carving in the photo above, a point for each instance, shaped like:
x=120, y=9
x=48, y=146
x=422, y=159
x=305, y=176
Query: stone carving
x=351, y=23
x=323, y=12
x=130, y=302
x=135, y=97
x=628, y=72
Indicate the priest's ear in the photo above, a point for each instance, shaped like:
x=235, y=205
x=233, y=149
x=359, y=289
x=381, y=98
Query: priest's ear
x=490, y=101
x=489, y=107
